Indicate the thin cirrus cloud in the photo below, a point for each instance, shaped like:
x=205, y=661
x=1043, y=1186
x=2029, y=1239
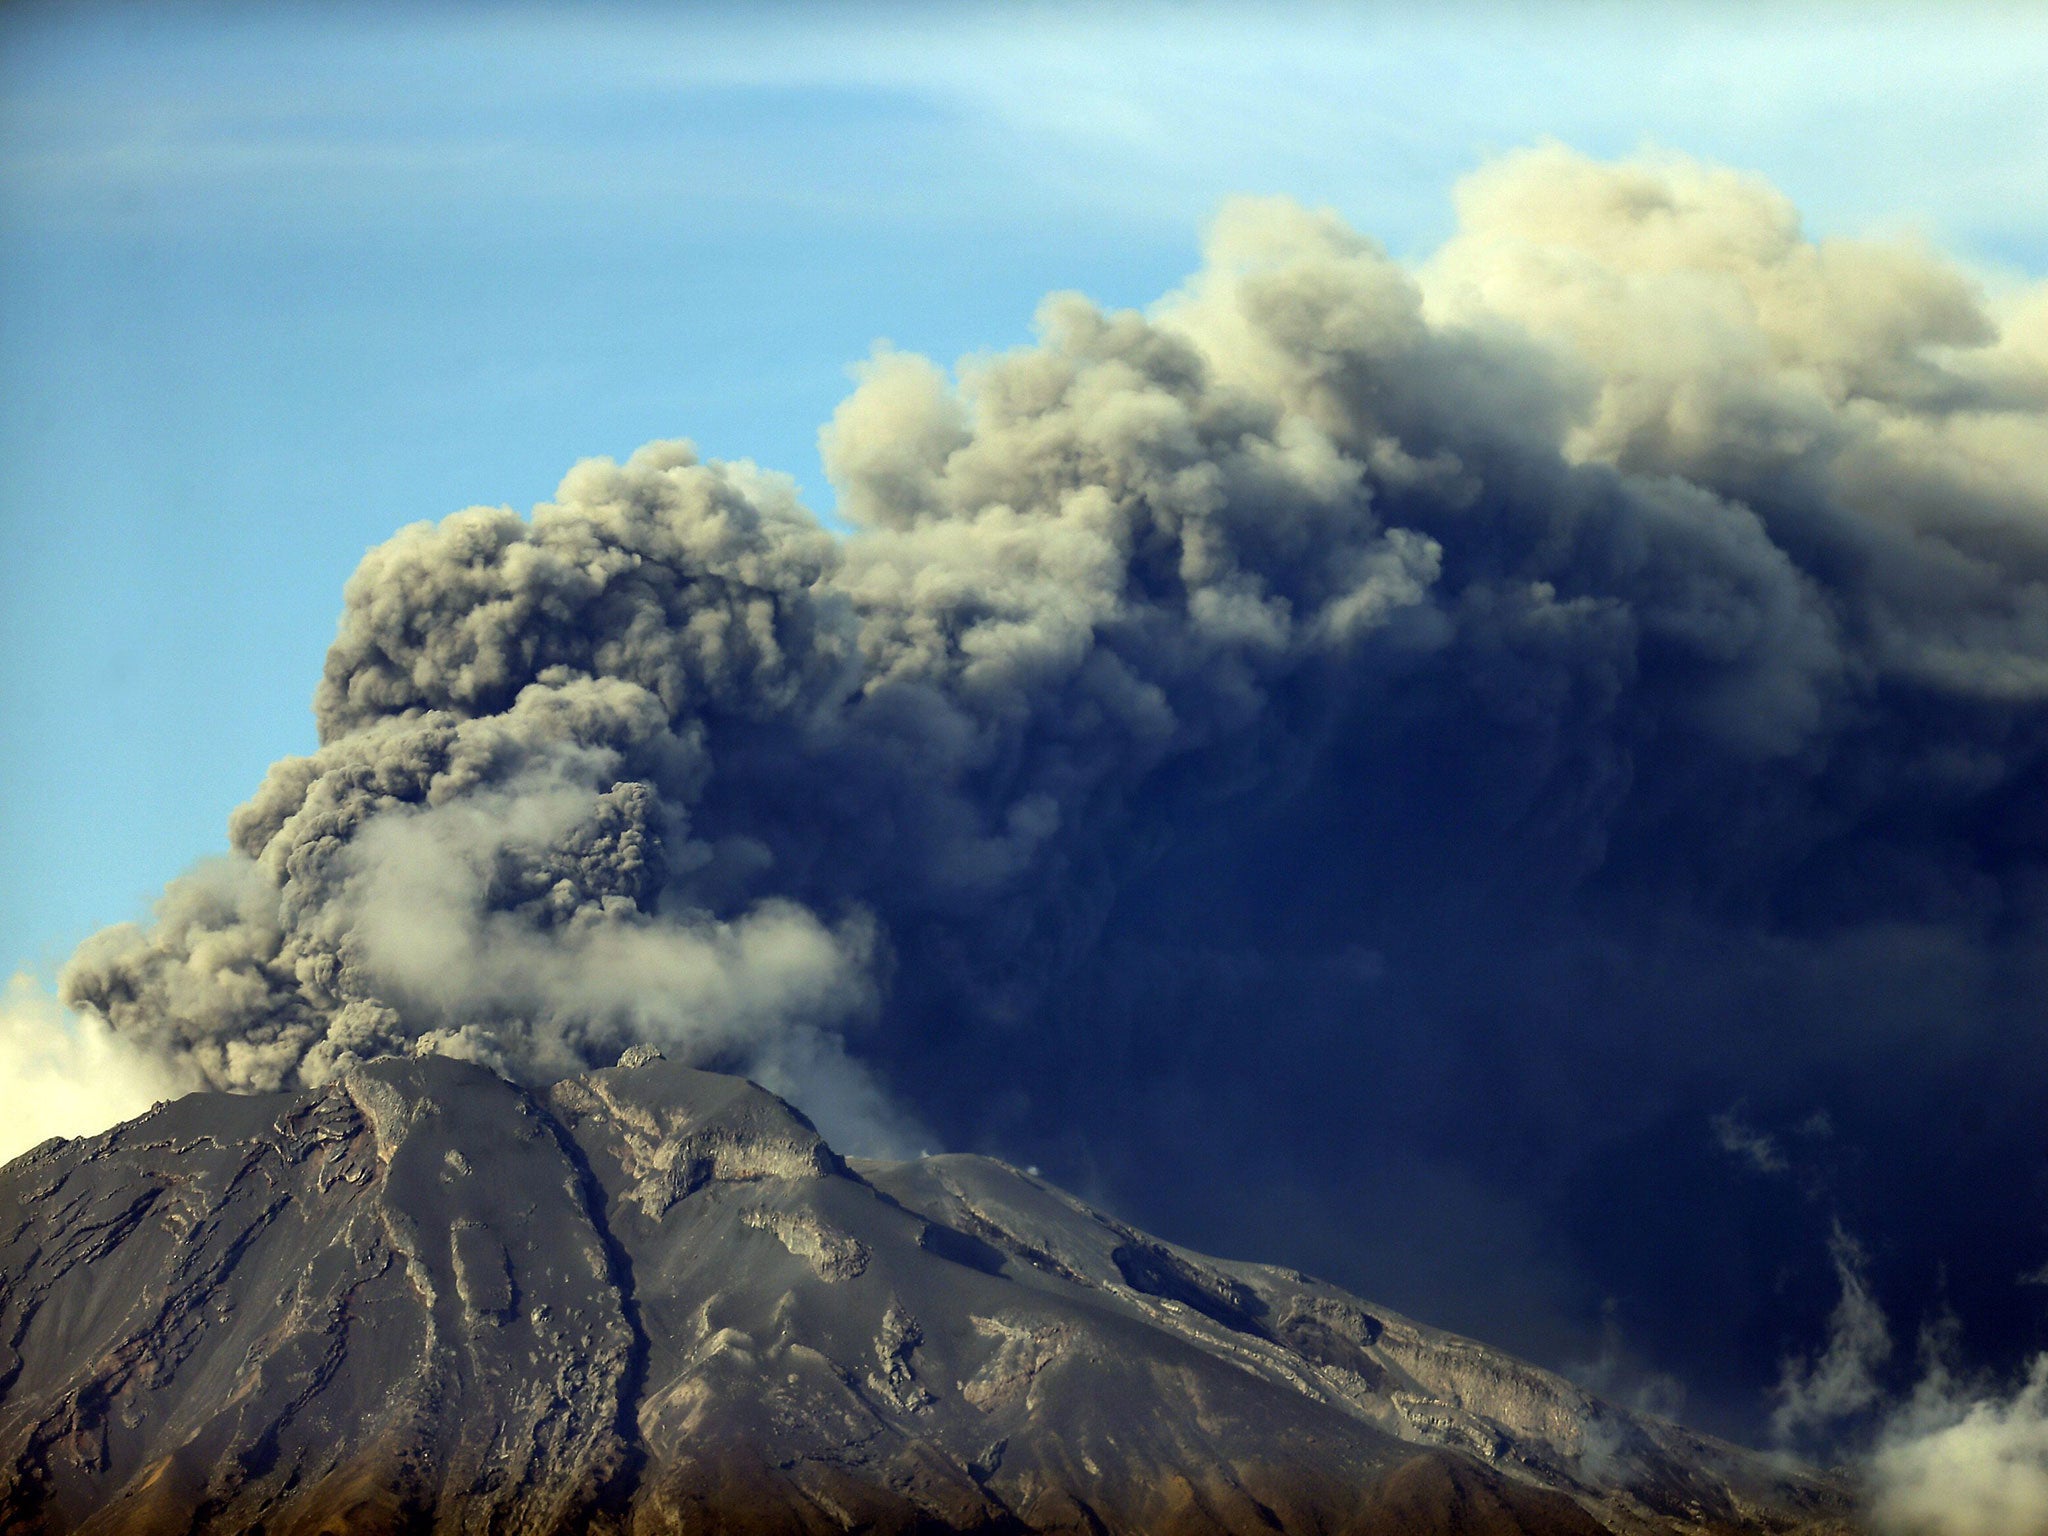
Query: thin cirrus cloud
x=1142, y=115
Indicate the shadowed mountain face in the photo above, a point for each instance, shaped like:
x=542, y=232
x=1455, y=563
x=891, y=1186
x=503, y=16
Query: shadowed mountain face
x=652, y=1299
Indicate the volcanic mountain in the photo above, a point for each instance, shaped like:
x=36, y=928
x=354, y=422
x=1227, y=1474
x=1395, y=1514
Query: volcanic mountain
x=652, y=1299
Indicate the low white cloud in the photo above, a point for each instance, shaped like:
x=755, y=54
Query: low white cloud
x=63, y=1075
x=1956, y=1457
x=1953, y=1463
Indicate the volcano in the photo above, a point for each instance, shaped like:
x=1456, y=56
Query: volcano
x=653, y=1299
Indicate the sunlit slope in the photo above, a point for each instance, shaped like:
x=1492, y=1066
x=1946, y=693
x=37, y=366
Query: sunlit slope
x=653, y=1299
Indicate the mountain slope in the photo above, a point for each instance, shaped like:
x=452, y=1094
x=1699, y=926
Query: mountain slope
x=652, y=1299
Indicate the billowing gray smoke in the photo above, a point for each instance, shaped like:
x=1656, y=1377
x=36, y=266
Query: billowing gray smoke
x=1435, y=742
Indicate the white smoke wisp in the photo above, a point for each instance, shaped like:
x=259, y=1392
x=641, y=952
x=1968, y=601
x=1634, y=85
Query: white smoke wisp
x=66, y=1075
x=1842, y=1380
x=432, y=935
x=1759, y=1150
x=767, y=990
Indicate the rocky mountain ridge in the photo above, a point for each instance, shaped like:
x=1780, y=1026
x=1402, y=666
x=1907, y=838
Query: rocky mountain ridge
x=652, y=1299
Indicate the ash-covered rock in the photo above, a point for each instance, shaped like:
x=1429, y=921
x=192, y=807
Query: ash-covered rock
x=654, y=1300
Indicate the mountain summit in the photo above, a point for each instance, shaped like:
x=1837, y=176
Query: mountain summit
x=652, y=1299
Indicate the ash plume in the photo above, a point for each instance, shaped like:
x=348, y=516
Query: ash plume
x=1508, y=709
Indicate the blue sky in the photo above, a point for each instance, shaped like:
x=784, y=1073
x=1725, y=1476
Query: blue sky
x=276, y=281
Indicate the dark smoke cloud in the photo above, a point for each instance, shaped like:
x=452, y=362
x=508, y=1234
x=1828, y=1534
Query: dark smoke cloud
x=1356, y=765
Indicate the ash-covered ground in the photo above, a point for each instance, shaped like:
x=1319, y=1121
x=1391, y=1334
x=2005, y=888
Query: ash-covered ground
x=653, y=1299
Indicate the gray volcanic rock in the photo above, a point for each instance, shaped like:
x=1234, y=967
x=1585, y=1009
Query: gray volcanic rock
x=652, y=1299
